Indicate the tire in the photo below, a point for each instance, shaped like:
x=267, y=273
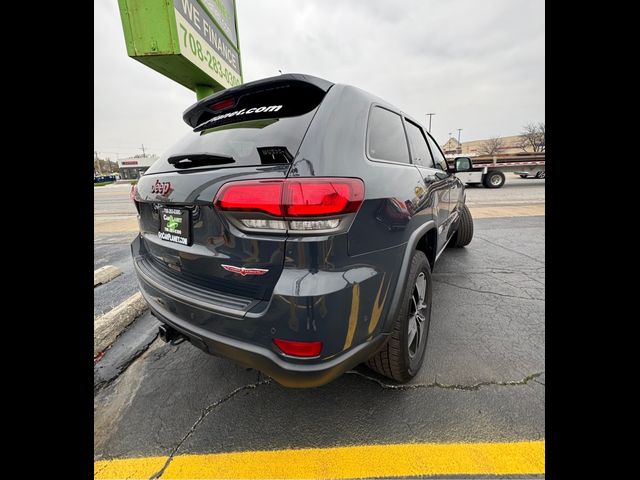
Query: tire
x=464, y=234
x=540, y=174
x=400, y=359
x=494, y=179
x=524, y=176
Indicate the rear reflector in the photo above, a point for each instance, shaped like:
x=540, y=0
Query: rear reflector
x=299, y=197
x=299, y=349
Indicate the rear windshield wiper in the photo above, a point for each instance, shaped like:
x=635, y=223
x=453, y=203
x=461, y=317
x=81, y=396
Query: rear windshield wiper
x=199, y=160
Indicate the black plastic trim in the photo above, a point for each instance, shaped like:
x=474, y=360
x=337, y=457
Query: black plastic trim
x=200, y=297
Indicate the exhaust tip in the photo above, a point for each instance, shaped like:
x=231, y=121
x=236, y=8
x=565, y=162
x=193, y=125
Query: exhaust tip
x=170, y=335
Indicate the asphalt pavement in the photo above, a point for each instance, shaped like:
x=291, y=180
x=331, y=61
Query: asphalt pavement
x=482, y=380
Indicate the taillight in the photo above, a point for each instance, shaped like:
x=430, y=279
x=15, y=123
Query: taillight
x=299, y=349
x=251, y=196
x=302, y=205
x=308, y=197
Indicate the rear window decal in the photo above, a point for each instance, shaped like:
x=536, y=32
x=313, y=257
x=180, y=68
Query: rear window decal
x=245, y=111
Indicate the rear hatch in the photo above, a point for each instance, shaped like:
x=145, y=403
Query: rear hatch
x=249, y=132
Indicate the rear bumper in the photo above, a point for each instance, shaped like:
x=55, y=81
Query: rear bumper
x=289, y=374
x=304, y=307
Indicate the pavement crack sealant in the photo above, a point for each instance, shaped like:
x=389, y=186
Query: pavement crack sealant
x=436, y=384
x=200, y=419
x=488, y=291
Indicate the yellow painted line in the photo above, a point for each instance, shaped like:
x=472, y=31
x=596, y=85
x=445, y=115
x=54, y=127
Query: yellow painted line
x=510, y=211
x=128, y=468
x=409, y=459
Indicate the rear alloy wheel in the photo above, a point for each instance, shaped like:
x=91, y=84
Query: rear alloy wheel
x=494, y=179
x=417, y=319
x=402, y=356
x=540, y=174
x=464, y=234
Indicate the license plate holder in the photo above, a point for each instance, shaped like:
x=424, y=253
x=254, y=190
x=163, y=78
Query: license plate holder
x=175, y=225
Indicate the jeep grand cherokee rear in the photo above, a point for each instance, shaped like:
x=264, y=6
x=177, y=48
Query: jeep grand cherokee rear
x=269, y=237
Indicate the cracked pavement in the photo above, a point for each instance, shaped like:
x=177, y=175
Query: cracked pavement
x=482, y=380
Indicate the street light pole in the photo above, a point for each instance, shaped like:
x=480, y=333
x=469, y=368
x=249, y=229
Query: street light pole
x=430, y=115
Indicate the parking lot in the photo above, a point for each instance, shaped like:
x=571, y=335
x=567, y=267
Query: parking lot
x=476, y=407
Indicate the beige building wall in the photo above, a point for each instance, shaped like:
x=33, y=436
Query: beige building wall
x=510, y=145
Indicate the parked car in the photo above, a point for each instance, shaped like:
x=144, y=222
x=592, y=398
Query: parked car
x=295, y=230
x=104, y=178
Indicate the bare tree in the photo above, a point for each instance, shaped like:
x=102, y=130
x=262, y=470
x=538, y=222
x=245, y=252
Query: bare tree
x=491, y=146
x=532, y=137
x=541, y=137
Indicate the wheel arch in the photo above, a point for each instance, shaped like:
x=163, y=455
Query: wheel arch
x=428, y=244
x=423, y=238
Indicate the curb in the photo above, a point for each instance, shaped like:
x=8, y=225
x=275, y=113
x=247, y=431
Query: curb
x=108, y=326
x=105, y=274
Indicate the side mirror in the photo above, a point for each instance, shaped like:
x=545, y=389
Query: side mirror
x=462, y=164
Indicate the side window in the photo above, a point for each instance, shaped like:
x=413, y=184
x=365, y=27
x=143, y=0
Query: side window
x=419, y=150
x=385, y=136
x=441, y=162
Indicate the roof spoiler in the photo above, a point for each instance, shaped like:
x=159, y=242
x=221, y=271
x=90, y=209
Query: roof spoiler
x=200, y=112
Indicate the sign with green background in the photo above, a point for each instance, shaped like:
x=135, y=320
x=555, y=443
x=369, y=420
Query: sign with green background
x=194, y=42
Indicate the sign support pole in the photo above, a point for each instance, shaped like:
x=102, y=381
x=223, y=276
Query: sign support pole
x=203, y=91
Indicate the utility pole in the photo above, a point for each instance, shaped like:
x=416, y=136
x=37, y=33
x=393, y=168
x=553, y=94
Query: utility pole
x=143, y=154
x=430, y=115
x=459, y=144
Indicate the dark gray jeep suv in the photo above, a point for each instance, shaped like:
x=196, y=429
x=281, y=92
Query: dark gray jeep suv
x=295, y=230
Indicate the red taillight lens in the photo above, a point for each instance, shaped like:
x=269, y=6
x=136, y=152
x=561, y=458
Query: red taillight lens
x=310, y=197
x=251, y=196
x=299, y=349
x=303, y=197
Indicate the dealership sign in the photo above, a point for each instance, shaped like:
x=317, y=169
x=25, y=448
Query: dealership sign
x=194, y=42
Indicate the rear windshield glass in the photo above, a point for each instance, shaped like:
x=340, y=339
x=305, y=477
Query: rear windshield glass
x=260, y=129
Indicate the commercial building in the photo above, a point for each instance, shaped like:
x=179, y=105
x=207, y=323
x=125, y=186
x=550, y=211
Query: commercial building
x=510, y=145
x=132, y=168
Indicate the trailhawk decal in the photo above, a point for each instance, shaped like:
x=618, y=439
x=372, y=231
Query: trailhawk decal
x=245, y=271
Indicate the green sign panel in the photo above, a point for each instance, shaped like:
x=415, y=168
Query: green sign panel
x=194, y=42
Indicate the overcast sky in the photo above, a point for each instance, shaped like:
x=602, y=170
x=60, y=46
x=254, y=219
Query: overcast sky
x=479, y=65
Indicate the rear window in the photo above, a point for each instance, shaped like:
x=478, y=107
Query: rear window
x=262, y=128
x=385, y=136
